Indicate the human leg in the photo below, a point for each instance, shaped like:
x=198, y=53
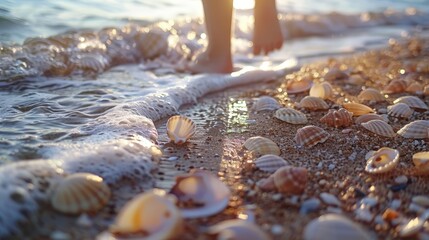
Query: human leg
x=267, y=35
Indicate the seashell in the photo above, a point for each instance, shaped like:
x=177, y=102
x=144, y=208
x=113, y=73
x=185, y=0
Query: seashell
x=80, y=192
x=265, y=103
x=293, y=87
x=180, y=129
x=310, y=135
x=421, y=161
x=206, y=194
x=152, y=42
x=379, y=127
x=400, y=110
x=337, y=118
x=355, y=80
x=334, y=226
x=412, y=101
x=415, y=88
x=270, y=163
x=357, y=109
x=371, y=94
x=383, y=160
x=290, y=180
x=262, y=146
x=417, y=129
x=291, y=116
x=313, y=103
x=152, y=214
x=238, y=230
x=422, y=200
x=334, y=74
x=368, y=117
x=323, y=90
x=395, y=86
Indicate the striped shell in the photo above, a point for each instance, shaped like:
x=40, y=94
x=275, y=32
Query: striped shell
x=265, y=103
x=291, y=116
x=238, y=229
x=395, y=86
x=371, y=94
x=180, y=129
x=417, y=129
x=415, y=88
x=298, y=86
x=383, y=160
x=80, y=192
x=368, y=117
x=288, y=179
x=413, y=102
x=262, y=146
x=400, y=110
x=309, y=136
x=270, y=163
x=421, y=161
x=323, y=90
x=357, y=109
x=152, y=43
x=337, y=118
x=379, y=127
x=313, y=103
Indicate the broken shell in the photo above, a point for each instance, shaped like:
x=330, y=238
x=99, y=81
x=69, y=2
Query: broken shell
x=270, y=163
x=400, y=110
x=395, y=86
x=338, y=118
x=421, y=161
x=291, y=116
x=313, y=103
x=357, y=109
x=310, y=135
x=379, y=127
x=290, y=180
x=415, y=88
x=206, y=194
x=298, y=86
x=370, y=94
x=180, y=129
x=265, y=103
x=152, y=214
x=323, y=90
x=261, y=145
x=418, y=129
x=412, y=101
x=80, y=192
x=238, y=230
x=383, y=160
x=333, y=226
x=368, y=117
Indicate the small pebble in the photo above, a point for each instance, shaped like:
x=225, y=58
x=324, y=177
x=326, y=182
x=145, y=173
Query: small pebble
x=415, y=208
x=276, y=229
x=352, y=156
x=276, y=197
x=58, y=235
x=84, y=221
x=334, y=210
x=401, y=179
x=368, y=202
x=382, y=110
x=363, y=214
x=331, y=166
x=173, y=158
x=322, y=182
x=330, y=199
x=395, y=204
x=421, y=200
x=309, y=205
x=348, y=130
x=398, y=187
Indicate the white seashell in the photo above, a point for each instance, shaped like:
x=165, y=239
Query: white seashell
x=417, y=129
x=412, y=101
x=379, y=127
x=265, y=103
x=371, y=94
x=293, y=87
x=262, y=145
x=323, y=90
x=368, y=117
x=238, y=230
x=152, y=42
x=395, y=86
x=400, y=110
x=310, y=135
x=80, y=192
x=153, y=214
x=421, y=161
x=383, y=160
x=357, y=109
x=334, y=226
x=338, y=118
x=206, y=192
x=270, y=163
x=180, y=129
x=313, y=103
x=290, y=180
x=291, y=116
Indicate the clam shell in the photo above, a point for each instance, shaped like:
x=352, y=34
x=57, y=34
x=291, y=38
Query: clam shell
x=355, y=80
x=395, y=86
x=357, y=109
x=238, y=230
x=291, y=116
x=371, y=94
x=379, y=127
x=417, y=129
x=265, y=103
x=313, y=103
x=383, y=160
x=415, y=88
x=400, y=110
x=80, y=192
x=309, y=136
x=152, y=43
x=337, y=118
x=262, y=145
x=180, y=129
x=413, y=102
x=323, y=90
x=270, y=163
x=334, y=74
x=290, y=180
x=368, y=117
x=293, y=87
x=421, y=161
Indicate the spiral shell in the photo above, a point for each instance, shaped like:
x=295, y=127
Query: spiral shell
x=379, y=127
x=383, y=160
x=80, y=192
x=238, y=230
x=152, y=42
x=412, y=101
x=368, y=117
x=265, y=103
x=313, y=103
x=415, y=88
x=323, y=90
x=395, y=86
x=291, y=116
x=417, y=129
x=293, y=87
x=270, y=163
x=421, y=161
x=400, y=110
x=288, y=179
x=180, y=129
x=309, y=136
x=262, y=145
x=357, y=109
x=370, y=94
x=337, y=118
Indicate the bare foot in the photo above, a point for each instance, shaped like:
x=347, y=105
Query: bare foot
x=211, y=63
x=267, y=35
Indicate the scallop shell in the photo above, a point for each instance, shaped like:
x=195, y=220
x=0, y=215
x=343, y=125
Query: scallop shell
x=293, y=87
x=265, y=103
x=415, y=88
x=310, y=135
x=412, y=101
x=383, y=160
x=395, y=86
x=262, y=146
x=80, y=192
x=417, y=129
x=379, y=127
x=368, y=117
x=153, y=214
x=152, y=43
x=371, y=94
x=270, y=163
x=238, y=230
x=333, y=226
x=400, y=110
x=288, y=179
x=323, y=90
x=180, y=129
x=334, y=74
x=338, y=118
x=206, y=192
x=313, y=103
x=357, y=109
x=421, y=161
x=291, y=116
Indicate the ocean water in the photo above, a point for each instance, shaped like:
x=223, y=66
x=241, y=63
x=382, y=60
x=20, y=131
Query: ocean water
x=81, y=82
